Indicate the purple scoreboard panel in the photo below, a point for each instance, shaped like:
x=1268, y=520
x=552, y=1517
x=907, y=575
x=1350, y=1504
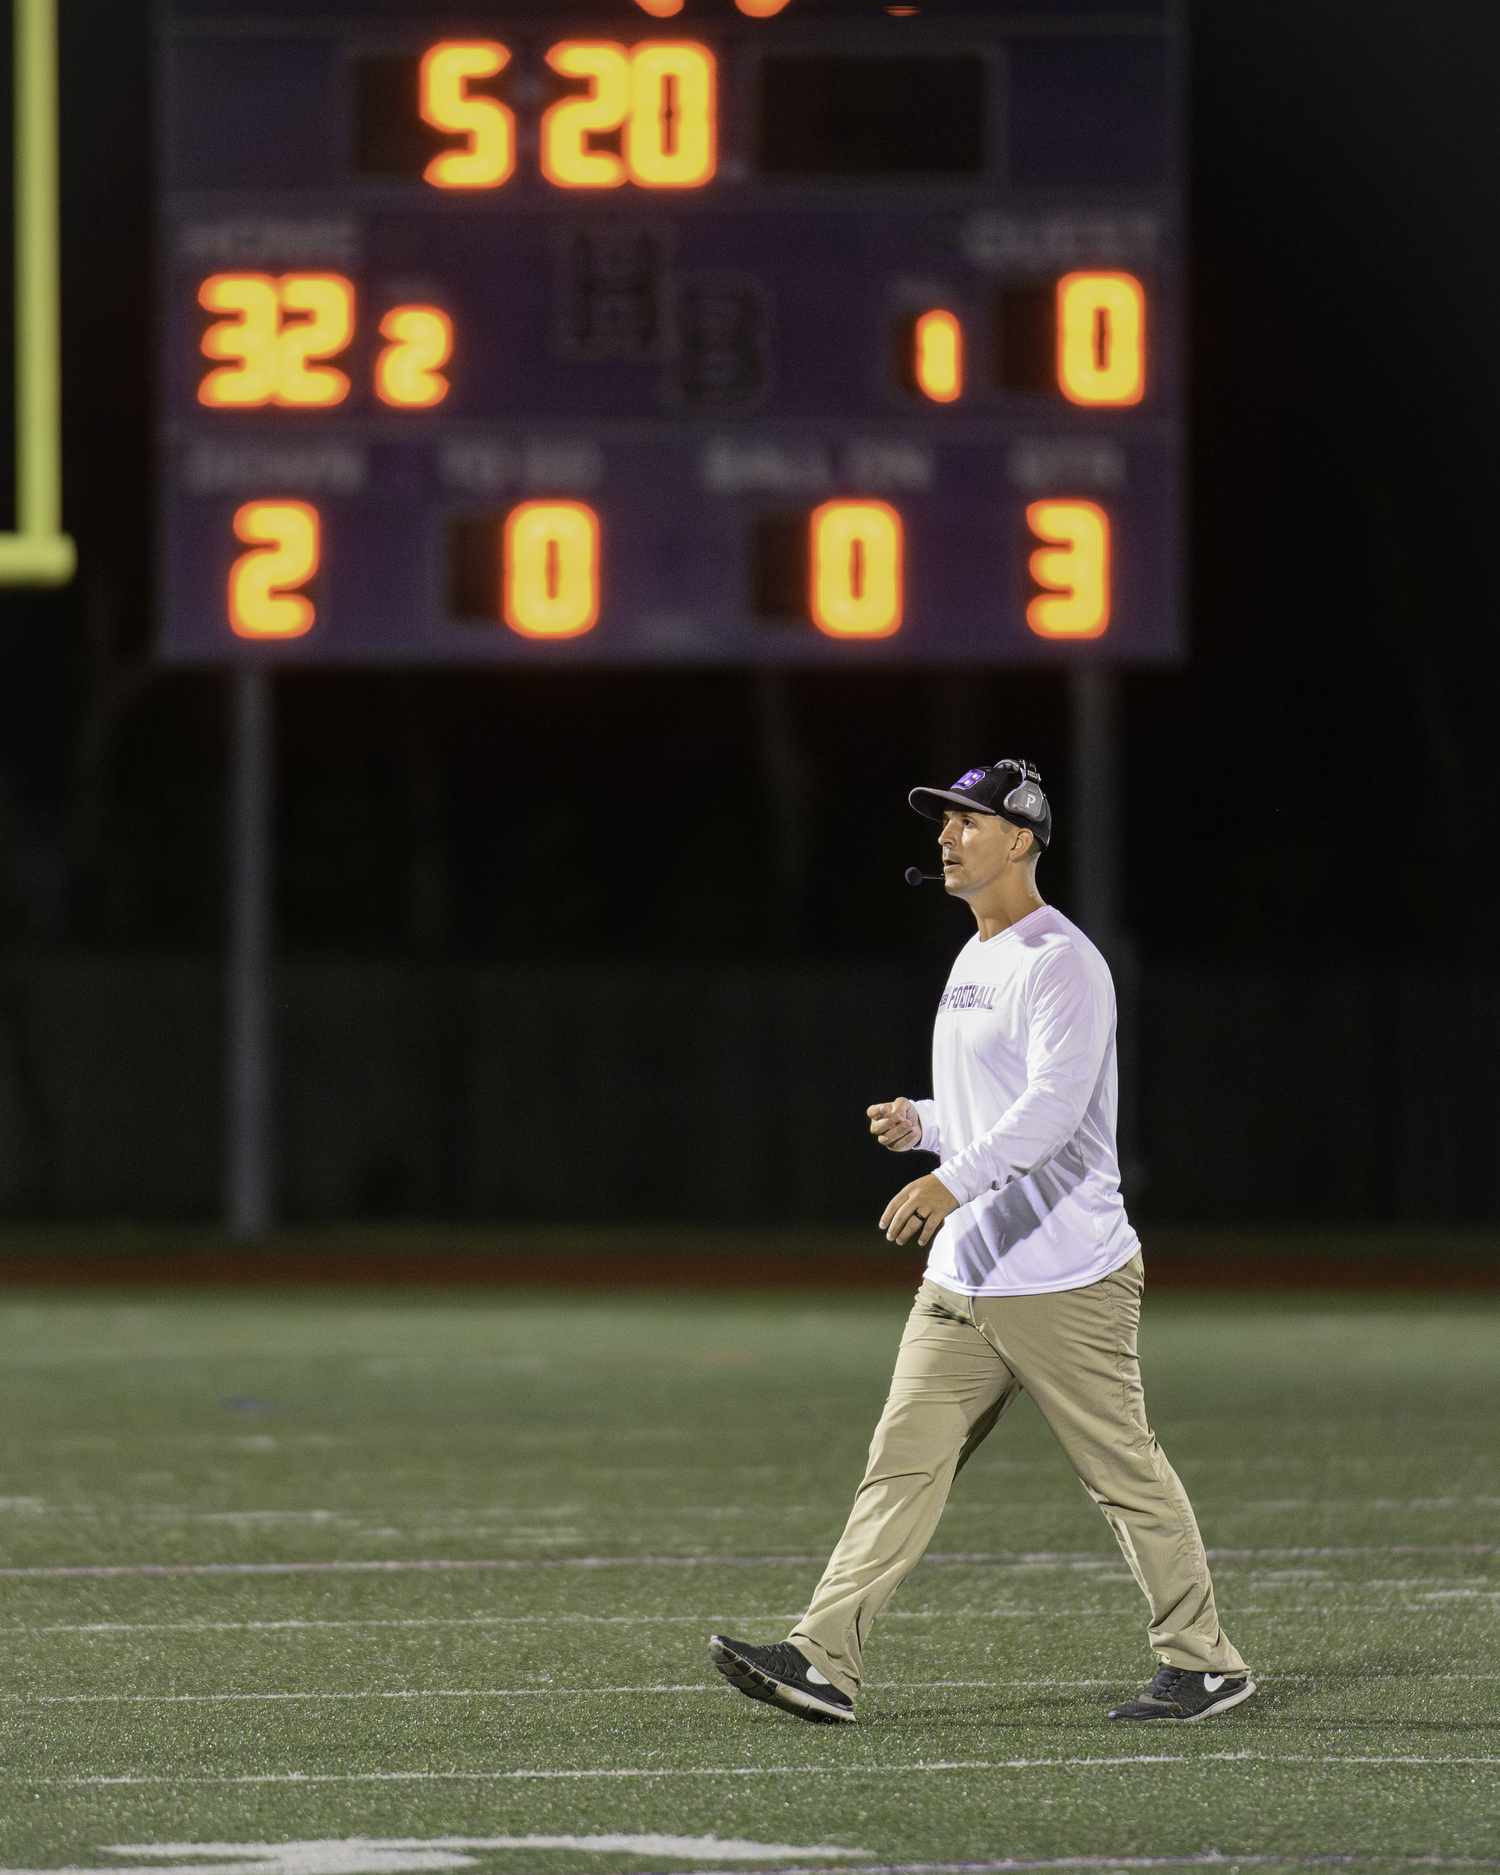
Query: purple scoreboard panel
x=670, y=331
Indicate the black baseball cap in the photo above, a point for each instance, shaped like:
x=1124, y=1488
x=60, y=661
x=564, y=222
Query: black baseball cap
x=1013, y=790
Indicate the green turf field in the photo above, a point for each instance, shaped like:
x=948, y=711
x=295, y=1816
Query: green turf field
x=700, y=1451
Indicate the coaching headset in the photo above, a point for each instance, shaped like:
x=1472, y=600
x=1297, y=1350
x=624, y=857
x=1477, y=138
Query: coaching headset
x=1011, y=789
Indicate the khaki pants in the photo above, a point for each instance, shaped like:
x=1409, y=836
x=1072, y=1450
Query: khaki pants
x=963, y=1359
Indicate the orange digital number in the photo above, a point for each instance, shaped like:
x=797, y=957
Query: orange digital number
x=285, y=549
x=322, y=324
x=408, y=372
x=549, y=569
x=276, y=332
x=663, y=95
x=938, y=356
x=856, y=569
x=1073, y=568
x=567, y=159
x=248, y=337
x=671, y=137
x=489, y=155
x=1101, y=338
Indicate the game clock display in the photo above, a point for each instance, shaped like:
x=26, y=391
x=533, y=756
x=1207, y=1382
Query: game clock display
x=670, y=331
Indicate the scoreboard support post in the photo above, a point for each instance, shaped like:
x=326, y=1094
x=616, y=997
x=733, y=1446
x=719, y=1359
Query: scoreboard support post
x=249, y=1154
x=1094, y=710
x=1098, y=868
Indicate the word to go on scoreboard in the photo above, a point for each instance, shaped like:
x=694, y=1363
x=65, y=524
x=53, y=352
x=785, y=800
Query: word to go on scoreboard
x=672, y=331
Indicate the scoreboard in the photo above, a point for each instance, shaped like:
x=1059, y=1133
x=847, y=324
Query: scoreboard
x=567, y=332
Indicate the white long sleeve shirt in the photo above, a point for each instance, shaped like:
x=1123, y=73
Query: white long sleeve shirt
x=1023, y=1119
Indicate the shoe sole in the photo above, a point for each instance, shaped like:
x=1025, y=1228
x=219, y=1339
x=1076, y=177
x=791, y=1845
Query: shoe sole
x=1237, y=1697
x=758, y=1684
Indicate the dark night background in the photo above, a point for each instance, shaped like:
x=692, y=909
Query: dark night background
x=1311, y=804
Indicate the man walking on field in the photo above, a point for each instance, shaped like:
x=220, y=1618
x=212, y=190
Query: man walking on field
x=1033, y=1281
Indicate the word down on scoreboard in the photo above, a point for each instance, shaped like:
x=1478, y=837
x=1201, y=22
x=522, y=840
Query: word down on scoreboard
x=697, y=331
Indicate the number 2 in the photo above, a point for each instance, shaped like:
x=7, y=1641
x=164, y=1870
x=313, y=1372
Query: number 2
x=284, y=538
x=407, y=372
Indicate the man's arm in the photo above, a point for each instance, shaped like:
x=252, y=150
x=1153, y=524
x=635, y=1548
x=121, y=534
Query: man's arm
x=1069, y=1032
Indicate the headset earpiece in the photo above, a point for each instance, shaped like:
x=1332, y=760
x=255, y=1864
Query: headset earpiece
x=1025, y=798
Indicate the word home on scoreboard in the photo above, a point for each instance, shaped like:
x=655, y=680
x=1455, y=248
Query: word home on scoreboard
x=589, y=335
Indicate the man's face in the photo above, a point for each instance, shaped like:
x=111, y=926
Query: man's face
x=976, y=848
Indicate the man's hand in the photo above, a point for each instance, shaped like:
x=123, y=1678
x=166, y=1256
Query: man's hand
x=922, y=1205
x=896, y=1124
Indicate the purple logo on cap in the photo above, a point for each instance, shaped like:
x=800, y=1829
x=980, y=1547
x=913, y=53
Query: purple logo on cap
x=968, y=780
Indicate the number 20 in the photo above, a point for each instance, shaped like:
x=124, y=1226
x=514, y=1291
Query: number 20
x=661, y=93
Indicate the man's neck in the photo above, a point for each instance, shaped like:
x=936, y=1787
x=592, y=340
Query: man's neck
x=1005, y=905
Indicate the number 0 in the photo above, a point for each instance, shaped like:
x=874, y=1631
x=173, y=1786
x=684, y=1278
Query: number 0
x=549, y=569
x=670, y=137
x=1101, y=338
x=856, y=569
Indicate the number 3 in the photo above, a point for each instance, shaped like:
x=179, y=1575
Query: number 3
x=1073, y=569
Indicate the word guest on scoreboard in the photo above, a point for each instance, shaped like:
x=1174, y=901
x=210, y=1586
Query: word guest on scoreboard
x=670, y=331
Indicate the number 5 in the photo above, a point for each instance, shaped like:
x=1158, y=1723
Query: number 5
x=286, y=550
x=446, y=104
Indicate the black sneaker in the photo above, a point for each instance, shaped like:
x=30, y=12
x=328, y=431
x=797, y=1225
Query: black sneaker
x=1176, y=1694
x=781, y=1676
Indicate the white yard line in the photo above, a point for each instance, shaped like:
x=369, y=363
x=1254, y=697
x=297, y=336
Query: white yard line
x=779, y=1770
x=403, y=1566
x=1421, y=1606
x=437, y=1692
x=416, y=1621
x=1213, y=1858
x=573, y=1691
x=1058, y=1559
